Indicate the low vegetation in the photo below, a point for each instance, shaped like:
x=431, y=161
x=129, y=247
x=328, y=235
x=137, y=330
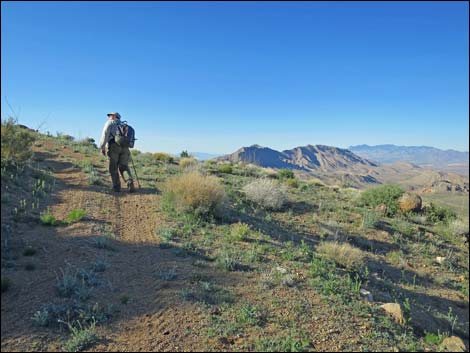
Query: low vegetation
x=266, y=194
x=387, y=195
x=194, y=193
x=16, y=143
x=343, y=254
x=187, y=162
x=262, y=260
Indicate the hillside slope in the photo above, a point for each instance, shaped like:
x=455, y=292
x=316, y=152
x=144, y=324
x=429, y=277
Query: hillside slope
x=156, y=281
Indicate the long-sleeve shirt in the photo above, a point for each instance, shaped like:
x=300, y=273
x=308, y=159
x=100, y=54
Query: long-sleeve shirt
x=109, y=131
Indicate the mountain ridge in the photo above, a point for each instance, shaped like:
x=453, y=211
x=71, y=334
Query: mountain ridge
x=305, y=158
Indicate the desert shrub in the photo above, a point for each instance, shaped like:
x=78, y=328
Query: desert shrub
x=251, y=315
x=265, y=193
x=16, y=143
x=458, y=227
x=342, y=254
x=163, y=157
x=370, y=219
x=269, y=173
x=293, y=342
x=87, y=142
x=226, y=168
x=187, y=162
x=286, y=174
x=194, y=193
x=387, y=195
x=65, y=137
x=239, y=231
x=293, y=183
x=80, y=337
x=439, y=214
x=48, y=219
x=397, y=258
x=75, y=216
x=58, y=315
x=230, y=260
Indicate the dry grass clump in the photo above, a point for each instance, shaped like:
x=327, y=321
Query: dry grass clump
x=163, y=157
x=187, y=162
x=342, y=254
x=194, y=193
x=266, y=194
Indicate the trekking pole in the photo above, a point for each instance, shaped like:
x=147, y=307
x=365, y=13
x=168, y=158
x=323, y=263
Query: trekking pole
x=135, y=172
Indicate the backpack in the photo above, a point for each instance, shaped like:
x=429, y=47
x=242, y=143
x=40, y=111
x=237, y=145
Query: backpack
x=125, y=135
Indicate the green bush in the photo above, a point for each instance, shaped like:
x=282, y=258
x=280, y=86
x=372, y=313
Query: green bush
x=48, y=219
x=65, y=137
x=163, y=157
x=385, y=194
x=370, y=219
x=228, y=169
x=16, y=143
x=439, y=214
x=286, y=174
x=81, y=337
x=293, y=183
x=240, y=231
x=75, y=216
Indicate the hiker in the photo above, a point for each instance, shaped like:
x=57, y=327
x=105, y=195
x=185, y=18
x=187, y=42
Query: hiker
x=118, y=155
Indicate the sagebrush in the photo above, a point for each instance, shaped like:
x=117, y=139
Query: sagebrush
x=266, y=193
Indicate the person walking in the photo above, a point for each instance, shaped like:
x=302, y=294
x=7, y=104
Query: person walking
x=118, y=155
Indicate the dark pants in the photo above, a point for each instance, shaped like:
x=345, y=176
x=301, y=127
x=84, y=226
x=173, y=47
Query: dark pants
x=118, y=162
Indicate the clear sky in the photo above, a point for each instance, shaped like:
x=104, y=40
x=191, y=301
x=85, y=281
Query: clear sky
x=215, y=76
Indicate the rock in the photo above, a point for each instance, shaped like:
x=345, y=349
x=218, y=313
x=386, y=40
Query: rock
x=440, y=259
x=382, y=208
x=366, y=294
x=281, y=269
x=394, y=310
x=452, y=344
x=410, y=202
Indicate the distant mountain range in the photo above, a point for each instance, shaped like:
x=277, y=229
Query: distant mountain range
x=423, y=156
x=202, y=156
x=335, y=165
x=305, y=158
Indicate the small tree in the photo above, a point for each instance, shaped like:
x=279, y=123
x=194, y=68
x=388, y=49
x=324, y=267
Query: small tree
x=185, y=154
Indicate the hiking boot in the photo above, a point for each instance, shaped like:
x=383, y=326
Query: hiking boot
x=130, y=185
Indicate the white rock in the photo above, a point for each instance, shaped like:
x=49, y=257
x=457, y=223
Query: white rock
x=366, y=294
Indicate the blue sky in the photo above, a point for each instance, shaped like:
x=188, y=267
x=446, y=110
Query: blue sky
x=216, y=76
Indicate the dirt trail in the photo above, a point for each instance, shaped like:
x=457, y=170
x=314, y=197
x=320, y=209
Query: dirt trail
x=154, y=317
